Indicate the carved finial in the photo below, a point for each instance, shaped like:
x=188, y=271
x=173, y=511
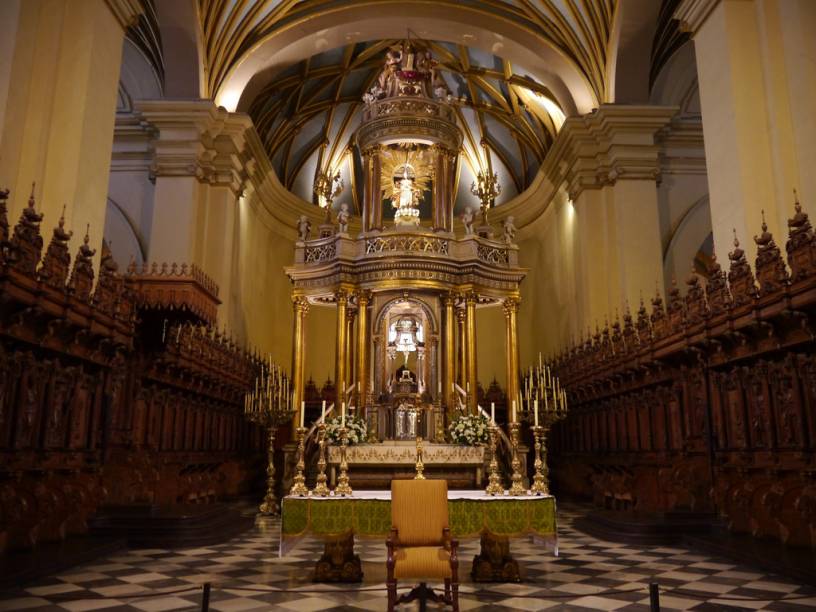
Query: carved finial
x=764, y=225
x=31, y=197
x=736, y=240
x=796, y=205
x=765, y=239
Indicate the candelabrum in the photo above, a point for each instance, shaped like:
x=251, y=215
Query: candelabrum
x=420, y=467
x=270, y=405
x=321, y=488
x=343, y=487
x=299, y=485
x=486, y=187
x=494, y=486
x=540, y=481
x=327, y=186
x=516, y=484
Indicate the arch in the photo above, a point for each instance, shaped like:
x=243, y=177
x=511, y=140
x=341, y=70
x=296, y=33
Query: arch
x=689, y=238
x=630, y=52
x=426, y=308
x=122, y=236
x=459, y=24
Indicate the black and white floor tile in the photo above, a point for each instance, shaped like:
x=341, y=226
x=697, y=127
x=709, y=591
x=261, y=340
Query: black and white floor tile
x=247, y=574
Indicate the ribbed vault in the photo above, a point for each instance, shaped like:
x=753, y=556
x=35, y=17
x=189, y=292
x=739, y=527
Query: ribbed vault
x=307, y=116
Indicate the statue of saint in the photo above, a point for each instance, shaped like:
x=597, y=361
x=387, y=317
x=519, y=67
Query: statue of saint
x=343, y=219
x=509, y=230
x=467, y=220
x=304, y=227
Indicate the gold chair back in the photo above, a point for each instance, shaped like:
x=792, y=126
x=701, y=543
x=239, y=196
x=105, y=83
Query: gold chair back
x=419, y=511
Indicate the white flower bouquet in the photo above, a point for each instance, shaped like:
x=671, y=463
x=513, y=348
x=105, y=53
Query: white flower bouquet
x=470, y=430
x=356, y=426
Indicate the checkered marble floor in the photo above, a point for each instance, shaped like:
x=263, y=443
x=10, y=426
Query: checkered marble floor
x=247, y=574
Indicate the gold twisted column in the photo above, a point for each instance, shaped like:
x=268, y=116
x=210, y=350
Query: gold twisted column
x=301, y=306
x=511, y=346
x=363, y=298
x=470, y=345
x=351, y=315
x=450, y=354
x=341, y=298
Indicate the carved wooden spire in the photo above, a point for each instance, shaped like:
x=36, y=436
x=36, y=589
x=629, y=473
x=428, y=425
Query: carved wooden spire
x=82, y=275
x=800, y=246
x=770, y=268
x=696, y=307
x=27, y=243
x=717, y=293
x=740, y=276
x=660, y=324
x=57, y=261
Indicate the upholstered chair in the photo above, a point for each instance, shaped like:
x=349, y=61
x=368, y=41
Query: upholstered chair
x=420, y=546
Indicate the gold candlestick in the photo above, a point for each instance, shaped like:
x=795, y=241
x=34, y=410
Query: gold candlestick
x=343, y=488
x=269, y=505
x=516, y=486
x=494, y=486
x=420, y=467
x=299, y=488
x=540, y=483
x=321, y=488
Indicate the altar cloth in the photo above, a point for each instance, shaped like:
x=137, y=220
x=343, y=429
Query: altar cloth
x=367, y=514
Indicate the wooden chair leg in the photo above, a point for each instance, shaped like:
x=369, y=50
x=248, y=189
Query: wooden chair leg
x=447, y=590
x=454, y=584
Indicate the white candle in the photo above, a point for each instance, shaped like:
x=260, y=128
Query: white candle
x=439, y=388
x=513, y=414
x=323, y=415
x=535, y=412
x=302, y=412
x=343, y=414
x=493, y=412
x=467, y=387
x=546, y=402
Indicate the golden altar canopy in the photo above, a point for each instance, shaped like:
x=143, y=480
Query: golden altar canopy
x=406, y=287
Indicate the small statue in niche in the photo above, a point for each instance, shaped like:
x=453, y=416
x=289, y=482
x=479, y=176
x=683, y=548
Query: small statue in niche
x=343, y=219
x=467, y=221
x=304, y=227
x=509, y=228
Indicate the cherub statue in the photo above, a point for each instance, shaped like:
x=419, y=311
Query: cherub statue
x=304, y=227
x=343, y=219
x=509, y=230
x=467, y=220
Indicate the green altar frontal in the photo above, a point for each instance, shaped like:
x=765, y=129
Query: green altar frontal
x=367, y=514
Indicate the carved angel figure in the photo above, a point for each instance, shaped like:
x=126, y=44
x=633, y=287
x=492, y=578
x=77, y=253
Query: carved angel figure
x=304, y=227
x=467, y=220
x=509, y=230
x=343, y=219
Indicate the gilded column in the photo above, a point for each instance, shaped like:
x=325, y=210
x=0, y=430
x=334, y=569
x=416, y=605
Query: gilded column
x=341, y=297
x=470, y=344
x=450, y=353
x=511, y=343
x=440, y=200
x=363, y=297
x=373, y=195
x=350, y=341
x=461, y=349
x=301, y=306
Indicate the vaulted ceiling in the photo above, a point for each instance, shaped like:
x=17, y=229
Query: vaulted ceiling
x=308, y=113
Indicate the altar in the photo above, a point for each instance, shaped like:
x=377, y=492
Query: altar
x=373, y=466
x=496, y=520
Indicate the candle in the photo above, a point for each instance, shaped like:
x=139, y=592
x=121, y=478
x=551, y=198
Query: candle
x=513, y=414
x=493, y=412
x=467, y=387
x=323, y=415
x=439, y=388
x=535, y=412
x=343, y=414
x=546, y=402
x=302, y=412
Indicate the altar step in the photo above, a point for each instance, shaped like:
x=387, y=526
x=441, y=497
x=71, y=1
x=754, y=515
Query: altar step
x=174, y=526
x=633, y=528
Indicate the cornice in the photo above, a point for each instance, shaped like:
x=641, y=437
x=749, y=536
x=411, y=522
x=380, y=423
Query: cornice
x=195, y=138
x=613, y=143
x=126, y=11
x=692, y=14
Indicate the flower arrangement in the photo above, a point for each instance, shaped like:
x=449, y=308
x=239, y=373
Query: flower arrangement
x=356, y=426
x=470, y=430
